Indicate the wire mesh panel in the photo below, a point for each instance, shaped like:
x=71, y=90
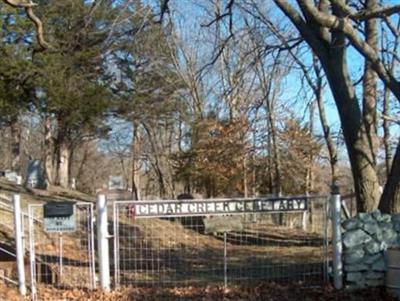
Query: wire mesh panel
x=61, y=259
x=166, y=252
x=219, y=242
x=8, y=273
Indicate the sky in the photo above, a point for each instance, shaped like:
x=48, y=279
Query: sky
x=190, y=16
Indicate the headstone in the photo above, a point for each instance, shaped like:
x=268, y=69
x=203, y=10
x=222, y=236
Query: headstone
x=34, y=174
x=11, y=176
x=73, y=184
x=115, y=182
x=221, y=224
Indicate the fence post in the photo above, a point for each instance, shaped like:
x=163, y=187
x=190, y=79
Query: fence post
x=102, y=242
x=19, y=243
x=336, y=236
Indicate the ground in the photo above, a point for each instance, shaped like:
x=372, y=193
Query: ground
x=266, y=292
x=175, y=237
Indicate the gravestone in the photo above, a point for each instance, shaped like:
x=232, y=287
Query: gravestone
x=221, y=224
x=73, y=184
x=12, y=176
x=115, y=183
x=34, y=174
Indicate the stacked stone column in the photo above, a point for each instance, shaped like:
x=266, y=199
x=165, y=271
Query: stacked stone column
x=365, y=239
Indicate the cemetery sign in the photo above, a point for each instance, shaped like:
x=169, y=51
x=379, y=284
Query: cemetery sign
x=59, y=217
x=216, y=206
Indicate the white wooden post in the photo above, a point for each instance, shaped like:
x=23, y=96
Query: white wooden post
x=336, y=237
x=102, y=242
x=19, y=244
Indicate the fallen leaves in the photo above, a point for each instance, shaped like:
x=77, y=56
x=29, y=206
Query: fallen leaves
x=262, y=292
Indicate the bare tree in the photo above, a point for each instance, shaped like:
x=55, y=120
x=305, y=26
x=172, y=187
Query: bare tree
x=326, y=31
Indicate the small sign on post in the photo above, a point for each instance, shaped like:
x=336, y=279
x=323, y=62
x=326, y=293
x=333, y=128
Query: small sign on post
x=59, y=217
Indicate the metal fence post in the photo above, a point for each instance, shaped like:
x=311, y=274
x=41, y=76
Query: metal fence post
x=304, y=218
x=102, y=242
x=19, y=243
x=336, y=237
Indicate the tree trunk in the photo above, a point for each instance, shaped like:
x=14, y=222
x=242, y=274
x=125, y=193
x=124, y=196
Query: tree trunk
x=63, y=165
x=156, y=164
x=63, y=156
x=15, y=145
x=386, y=105
x=325, y=125
x=135, y=165
x=70, y=164
x=83, y=161
x=370, y=85
x=270, y=161
x=386, y=130
x=310, y=169
x=276, y=152
x=245, y=178
x=390, y=201
x=361, y=153
x=48, y=151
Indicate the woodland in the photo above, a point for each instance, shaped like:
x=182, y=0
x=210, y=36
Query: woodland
x=212, y=97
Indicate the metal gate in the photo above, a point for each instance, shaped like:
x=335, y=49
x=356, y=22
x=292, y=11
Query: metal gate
x=220, y=241
x=61, y=260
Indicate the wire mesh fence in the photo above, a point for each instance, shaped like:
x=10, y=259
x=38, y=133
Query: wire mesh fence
x=8, y=265
x=153, y=248
x=62, y=260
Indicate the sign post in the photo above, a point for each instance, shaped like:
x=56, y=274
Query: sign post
x=102, y=242
x=19, y=243
x=336, y=237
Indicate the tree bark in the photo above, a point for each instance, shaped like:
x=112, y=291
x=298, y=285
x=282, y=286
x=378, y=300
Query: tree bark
x=324, y=123
x=48, y=151
x=332, y=54
x=386, y=103
x=370, y=84
x=63, y=165
x=15, y=145
x=386, y=131
x=63, y=156
x=362, y=158
x=135, y=165
x=156, y=164
x=390, y=201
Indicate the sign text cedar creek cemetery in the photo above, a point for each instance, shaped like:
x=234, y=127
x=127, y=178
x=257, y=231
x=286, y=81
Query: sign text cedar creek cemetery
x=217, y=206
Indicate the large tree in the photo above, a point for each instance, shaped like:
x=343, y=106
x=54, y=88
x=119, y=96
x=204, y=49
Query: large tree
x=72, y=93
x=327, y=28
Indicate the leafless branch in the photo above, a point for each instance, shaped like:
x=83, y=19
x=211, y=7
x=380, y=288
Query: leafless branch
x=382, y=12
x=28, y=6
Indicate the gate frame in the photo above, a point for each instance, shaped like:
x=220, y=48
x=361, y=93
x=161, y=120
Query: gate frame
x=309, y=198
x=32, y=253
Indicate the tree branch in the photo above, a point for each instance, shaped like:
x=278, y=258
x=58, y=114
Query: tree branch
x=345, y=26
x=28, y=6
x=365, y=14
x=19, y=4
x=382, y=12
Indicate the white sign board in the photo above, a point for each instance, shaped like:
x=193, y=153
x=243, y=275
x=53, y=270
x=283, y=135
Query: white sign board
x=215, y=206
x=59, y=224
